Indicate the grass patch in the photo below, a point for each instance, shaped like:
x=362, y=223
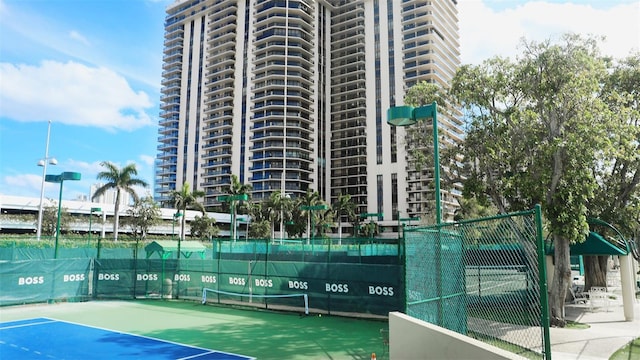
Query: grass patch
x=512, y=348
x=576, y=325
x=505, y=314
x=629, y=351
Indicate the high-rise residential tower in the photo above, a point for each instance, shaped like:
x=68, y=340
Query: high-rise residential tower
x=291, y=95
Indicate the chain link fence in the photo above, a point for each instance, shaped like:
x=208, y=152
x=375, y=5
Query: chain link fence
x=483, y=278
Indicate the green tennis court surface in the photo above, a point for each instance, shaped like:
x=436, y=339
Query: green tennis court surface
x=252, y=333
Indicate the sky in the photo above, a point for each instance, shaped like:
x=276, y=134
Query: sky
x=92, y=68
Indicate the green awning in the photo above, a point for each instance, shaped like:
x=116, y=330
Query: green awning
x=596, y=244
x=165, y=248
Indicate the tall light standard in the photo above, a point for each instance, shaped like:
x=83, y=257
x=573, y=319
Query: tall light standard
x=173, y=223
x=177, y=215
x=408, y=115
x=43, y=162
x=67, y=175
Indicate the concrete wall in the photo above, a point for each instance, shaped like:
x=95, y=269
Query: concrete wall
x=410, y=338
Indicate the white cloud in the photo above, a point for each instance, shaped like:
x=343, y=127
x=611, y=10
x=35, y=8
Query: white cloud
x=29, y=185
x=486, y=32
x=71, y=93
x=88, y=168
x=147, y=159
x=79, y=37
x=24, y=183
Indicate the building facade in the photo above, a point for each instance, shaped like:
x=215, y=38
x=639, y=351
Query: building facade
x=292, y=95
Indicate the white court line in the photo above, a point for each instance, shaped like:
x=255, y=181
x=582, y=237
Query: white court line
x=28, y=324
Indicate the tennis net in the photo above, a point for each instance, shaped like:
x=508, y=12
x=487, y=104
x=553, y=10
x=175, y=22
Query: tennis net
x=206, y=291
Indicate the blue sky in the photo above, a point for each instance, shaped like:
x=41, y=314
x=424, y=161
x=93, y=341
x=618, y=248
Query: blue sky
x=93, y=68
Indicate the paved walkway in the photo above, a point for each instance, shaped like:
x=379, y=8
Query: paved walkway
x=607, y=333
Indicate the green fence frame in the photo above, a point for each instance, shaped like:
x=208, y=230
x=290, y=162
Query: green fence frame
x=477, y=276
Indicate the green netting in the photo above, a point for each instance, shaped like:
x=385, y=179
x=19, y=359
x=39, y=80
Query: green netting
x=353, y=275
x=481, y=278
x=27, y=281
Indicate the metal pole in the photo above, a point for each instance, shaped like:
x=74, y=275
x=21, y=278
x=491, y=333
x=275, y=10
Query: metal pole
x=233, y=223
x=44, y=172
x=436, y=164
x=55, y=251
x=542, y=273
x=308, y=226
x=90, y=216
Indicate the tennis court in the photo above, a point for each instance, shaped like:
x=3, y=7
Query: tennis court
x=182, y=329
x=492, y=280
x=54, y=339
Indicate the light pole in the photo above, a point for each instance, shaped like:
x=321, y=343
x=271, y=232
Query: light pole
x=173, y=224
x=67, y=175
x=408, y=115
x=93, y=209
x=43, y=162
x=175, y=217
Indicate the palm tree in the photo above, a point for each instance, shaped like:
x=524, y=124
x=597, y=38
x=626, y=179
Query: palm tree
x=121, y=180
x=325, y=220
x=309, y=199
x=236, y=188
x=343, y=207
x=280, y=204
x=183, y=199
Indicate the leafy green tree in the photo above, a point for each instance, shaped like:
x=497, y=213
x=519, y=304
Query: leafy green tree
x=260, y=229
x=204, y=227
x=324, y=222
x=260, y=226
x=144, y=214
x=472, y=208
x=120, y=180
x=617, y=197
x=50, y=219
x=369, y=229
x=342, y=208
x=525, y=144
x=297, y=225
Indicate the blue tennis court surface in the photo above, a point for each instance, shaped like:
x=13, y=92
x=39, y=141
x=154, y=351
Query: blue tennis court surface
x=44, y=338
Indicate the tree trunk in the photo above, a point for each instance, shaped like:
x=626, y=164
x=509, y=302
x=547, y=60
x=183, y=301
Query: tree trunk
x=595, y=271
x=272, y=226
x=561, y=281
x=116, y=216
